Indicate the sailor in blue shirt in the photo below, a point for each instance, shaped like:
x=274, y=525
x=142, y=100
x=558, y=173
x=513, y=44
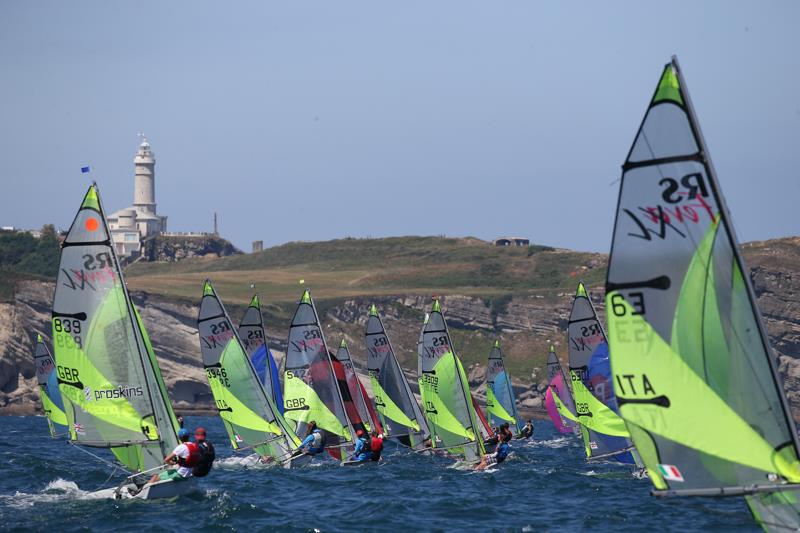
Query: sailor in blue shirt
x=314, y=442
x=363, y=450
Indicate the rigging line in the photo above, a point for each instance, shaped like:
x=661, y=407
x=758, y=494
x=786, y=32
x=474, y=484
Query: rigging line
x=102, y=460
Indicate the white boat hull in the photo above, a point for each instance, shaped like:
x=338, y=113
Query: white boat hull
x=156, y=491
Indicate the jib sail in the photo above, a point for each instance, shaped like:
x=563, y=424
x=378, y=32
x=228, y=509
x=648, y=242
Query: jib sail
x=500, y=401
x=114, y=395
x=250, y=417
x=603, y=431
x=694, y=375
x=254, y=340
x=558, y=398
x=310, y=388
x=47, y=377
x=445, y=393
x=401, y=414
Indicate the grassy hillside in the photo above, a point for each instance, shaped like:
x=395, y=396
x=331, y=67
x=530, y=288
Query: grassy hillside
x=361, y=267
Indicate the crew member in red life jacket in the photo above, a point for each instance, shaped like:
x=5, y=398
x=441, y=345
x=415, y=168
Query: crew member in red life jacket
x=185, y=455
x=376, y=446
x=206, y=451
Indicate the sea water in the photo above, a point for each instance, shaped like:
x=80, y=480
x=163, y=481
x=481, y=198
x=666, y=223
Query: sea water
x=545, y=485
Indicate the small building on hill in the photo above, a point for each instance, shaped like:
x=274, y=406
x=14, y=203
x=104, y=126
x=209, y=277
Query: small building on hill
x=511, y=241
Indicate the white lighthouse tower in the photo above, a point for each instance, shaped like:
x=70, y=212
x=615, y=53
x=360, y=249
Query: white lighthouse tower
x=131, y=226
x=144, y=188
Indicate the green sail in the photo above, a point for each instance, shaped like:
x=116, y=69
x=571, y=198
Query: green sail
x=594, y=414
x=695, y=379
x=387, y=408
x=495, y=408
x=108, y=376
x=249, y=415
x=446, y=398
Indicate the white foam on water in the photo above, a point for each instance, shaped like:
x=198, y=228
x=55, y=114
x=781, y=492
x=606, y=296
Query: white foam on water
x=250, y=461
x=558, y=442
x=57, y=490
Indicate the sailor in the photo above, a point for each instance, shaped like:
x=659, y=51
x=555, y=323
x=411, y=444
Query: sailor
x=185, y=455
x=495, y=458
x=505, y=433
x=314, y=442
x=207, y=454
x=363, y=450
x=527, y=430
x=376, y=446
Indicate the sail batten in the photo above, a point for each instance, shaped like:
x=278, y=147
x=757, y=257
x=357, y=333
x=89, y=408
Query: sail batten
x=685, y=330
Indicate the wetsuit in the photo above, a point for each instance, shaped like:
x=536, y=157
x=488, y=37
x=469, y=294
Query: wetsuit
x=499, y=455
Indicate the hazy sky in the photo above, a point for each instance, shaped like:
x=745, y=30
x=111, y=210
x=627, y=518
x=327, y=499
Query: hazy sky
x=319, y=120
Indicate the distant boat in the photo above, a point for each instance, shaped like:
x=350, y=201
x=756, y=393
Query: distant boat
x=604, y=433
x=402, y=418
x=311, y=390
x=446, y=398
x=113, y=392
x=558, y=398
x=250, y=416
x=695, y=377
x=501, y=404
x=47, y=378
x=254, y=340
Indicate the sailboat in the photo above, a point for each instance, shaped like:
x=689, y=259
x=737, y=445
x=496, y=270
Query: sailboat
x=109, y=379
x=311, y=391
x=604, y=432
x=47, y=378
x=254, y=341
x=446, y=398
x=250, y=416
x=695, y=378
x=364, y=411
x=402, y=418
x=558, y=398
x=500, y=401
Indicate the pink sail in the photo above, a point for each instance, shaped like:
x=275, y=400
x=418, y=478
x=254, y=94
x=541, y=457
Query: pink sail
x=557, y=383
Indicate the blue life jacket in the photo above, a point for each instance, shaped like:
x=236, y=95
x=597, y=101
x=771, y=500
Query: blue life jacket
x=503, y=450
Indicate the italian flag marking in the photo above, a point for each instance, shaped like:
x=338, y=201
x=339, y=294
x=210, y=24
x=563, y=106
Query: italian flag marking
x=670, y=472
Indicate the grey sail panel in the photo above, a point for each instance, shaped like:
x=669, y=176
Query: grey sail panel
x=684, y=328
x=108, y=376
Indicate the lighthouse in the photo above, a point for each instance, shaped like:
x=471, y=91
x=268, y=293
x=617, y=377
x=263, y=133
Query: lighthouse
x=144, y=188
x=132, y=226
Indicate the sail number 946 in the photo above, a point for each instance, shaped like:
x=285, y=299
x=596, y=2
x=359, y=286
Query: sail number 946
x=220, y=374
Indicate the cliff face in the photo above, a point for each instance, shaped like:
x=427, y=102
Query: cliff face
x=524, y=324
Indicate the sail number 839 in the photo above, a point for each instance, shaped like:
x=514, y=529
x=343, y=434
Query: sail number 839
x=69, y=328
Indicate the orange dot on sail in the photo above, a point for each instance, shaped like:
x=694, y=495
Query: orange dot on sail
x=92, y=224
